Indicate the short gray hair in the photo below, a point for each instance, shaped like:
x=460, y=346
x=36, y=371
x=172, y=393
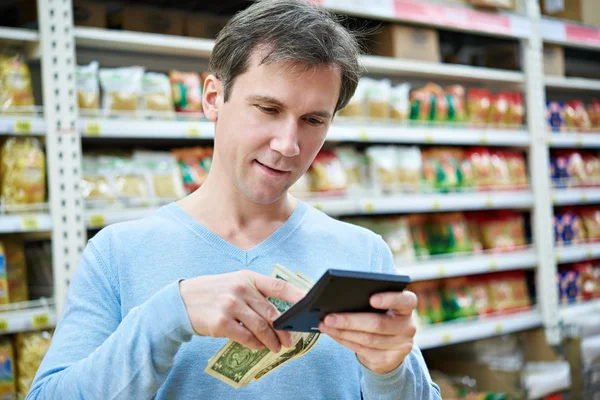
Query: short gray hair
x=290, y=30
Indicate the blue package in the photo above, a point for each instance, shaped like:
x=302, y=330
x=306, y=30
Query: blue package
x=555, y=115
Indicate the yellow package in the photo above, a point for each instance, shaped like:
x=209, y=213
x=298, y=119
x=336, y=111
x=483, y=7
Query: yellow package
x=122, y=88
x=22, y=171
x=31, y=347
x=16, y=270
x=156, y=92
x=8, y=388
x=88, y=90
x=15, y=83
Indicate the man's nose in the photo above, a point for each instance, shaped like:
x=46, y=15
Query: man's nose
x=285, y=141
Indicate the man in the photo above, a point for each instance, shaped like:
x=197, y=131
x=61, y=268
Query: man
x=153, y=300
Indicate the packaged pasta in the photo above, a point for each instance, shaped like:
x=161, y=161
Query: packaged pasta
x=409, y=168
x=447, y=233
x=156, y=92
x=501, y=230
x=576, y=115
x=383, y=163
x=400, y=102
x=516, y=168
x=416, y=223
x=457, y=109
x=16, y=270
x=163, y=173
x=355, y=166
x=8, y=388
x=95, y=184
x=429, y=103
x=122, y=88
x=356, y=105
x=591, y=222
x=187, y=93
x=327, y=173
x=379, y=97
x=31, y=347
x=194, y=165
x=478, y=105
x=483, y=171
x=458, y=299
x=128, y=179
x=22, y=171
x=396, y=233
x=441, y=170
x=88, y=89
x=15, y=84
x=516, y=110
x=499, y=109
x=502, y=179
x=594, y=114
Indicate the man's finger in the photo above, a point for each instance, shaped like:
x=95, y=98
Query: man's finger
x=402, y=303
x=269, y=313
x=277, y=288
x=365, y=339
x=260, y=328
x=382, y=324
x=240, y=334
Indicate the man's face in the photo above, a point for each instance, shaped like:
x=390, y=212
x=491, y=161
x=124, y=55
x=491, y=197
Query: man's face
x=272, y=126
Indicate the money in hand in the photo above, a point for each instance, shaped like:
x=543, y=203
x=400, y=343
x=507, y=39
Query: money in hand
x=238, y=365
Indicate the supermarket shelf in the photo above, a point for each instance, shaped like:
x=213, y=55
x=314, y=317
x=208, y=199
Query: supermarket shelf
x=562, y=197
x=581, y=309
x=461, y=18
x=27, y=316
x=574, y=253
x=95, y=219
x=469, y=265
x=407, y=203
x=18, y=35
x=131, y=128
x=560, y=82
x=387, y=65
x=572, y=140
x=29, y=222
x=568, y=33
x=379, y=133
x=22, y=125
x=140, y=42
x=464, y=331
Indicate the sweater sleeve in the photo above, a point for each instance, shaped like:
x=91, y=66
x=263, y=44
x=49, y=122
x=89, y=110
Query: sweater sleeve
x=96, y=353
x=411, y=380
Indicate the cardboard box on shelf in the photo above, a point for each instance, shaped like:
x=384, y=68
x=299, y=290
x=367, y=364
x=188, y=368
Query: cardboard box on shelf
x=586, y=11
x=402, y=41
x=147, y=19
x=554, y=60
x=205, y=26
x=85, y=13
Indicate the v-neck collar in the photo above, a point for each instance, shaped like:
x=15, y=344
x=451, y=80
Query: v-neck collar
x=243, y=256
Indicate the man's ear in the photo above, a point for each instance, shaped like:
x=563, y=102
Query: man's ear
x=212, y=97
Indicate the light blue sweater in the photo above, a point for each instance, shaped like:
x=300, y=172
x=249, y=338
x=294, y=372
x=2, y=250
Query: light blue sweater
x=125, y=333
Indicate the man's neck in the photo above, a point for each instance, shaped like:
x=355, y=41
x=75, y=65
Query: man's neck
x=229, y=214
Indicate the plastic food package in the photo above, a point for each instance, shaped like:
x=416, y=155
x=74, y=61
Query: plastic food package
x=499, y=109
x=591, y=222
x=474, y=234
x=500, y=169
x=516, y=110
x=576, y=115
x=517, y=169
x=508, y=292
x=590, y=279
x=447, y=233
x=8, y=388
x=483, y=170
x=379, y=96
x=383, y=163
x=355, y=166
x=592, y=169
x=409, y=168
x=95, y=184
x=16, y=270
x=429, y=104
x=88, y=89
x=156, y=92
x=569, y=287
x=122, y=88
x=400, y=102
x=194, y=165
x=187, y=92
x=457, y=108
x=441, y=170
x=568, y=169
x=478, y=105
x=128, y=179
x=555, y=116
x=458, y=299
x=481, y=295
x=356, y=105
x=594, y=114
x=501, y=230
x=429, y=307
x=15, y=84
x=396, y=233
x=327, y=173
x=163, y=173
x=419, y=236
x=31, y=348
x=568, y=228
x=22, y=171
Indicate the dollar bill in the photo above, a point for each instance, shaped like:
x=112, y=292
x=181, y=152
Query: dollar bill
x=238, y=365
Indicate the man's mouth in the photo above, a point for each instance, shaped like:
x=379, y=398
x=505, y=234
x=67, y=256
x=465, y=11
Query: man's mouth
x=271, y=170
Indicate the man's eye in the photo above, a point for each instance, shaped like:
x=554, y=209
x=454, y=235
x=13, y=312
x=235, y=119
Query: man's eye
x=313, y=121
x=268, y=110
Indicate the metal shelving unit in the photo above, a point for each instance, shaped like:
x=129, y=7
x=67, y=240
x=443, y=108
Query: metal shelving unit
x=57, y=41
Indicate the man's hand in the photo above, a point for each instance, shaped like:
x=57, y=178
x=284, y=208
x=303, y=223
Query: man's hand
x=234, y=306
x=380, y=341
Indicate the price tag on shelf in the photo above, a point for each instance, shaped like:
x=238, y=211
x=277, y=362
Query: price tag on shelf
x=554, y=199
x=441, y=271
x=363, y=136
x=369, y=207
x=549, y=141
x=192, y=131
x=429, y=139
x=29, y=223
x=489, y=202
x=22, y=127
x=93, y=129
x=578, y=141
x=498, y=328
x=446, y=338
x=584, y=197
x=558, y=257
x=483, y=139
x=97, y=221
x=589, y=253
x=3, y=325
x=493, y=264
x=40, y=320
x=436, y=205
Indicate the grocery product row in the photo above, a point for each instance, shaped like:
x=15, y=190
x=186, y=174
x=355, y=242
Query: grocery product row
x=478, y=107
x=573, y=115
x=576, y=225
x=579, y=282
x=575, y=168
x=20, y=358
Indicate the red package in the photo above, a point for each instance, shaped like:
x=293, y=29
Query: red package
x=576, y=116
x=517, y=169
x=594, y=114
x=516, y=110
x=591, y=223
x=478, y=105
x=483, y=170
x=500, y=170
x=499, y=109
x=591, y=163
x=481, y=295
x=590, y=279
x=508, y=292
